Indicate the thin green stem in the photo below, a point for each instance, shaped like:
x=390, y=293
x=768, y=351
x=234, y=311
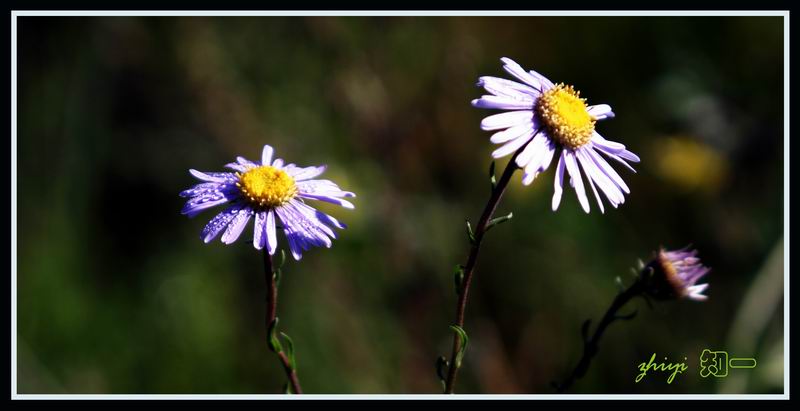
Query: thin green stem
x=272, y=310
x=472, y=258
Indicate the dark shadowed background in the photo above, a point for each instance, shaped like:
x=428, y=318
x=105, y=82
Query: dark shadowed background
x=118, y=294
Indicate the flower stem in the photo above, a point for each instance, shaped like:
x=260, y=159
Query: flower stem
x=469, y=268
x=272, y=309
x=590, y=346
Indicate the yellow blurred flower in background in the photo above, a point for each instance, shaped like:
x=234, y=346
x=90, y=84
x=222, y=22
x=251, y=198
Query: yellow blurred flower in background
x=689, y=164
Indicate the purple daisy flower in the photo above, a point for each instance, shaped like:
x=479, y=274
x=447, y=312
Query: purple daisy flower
x=674, y=275
x=546, y=117
x=268, y=190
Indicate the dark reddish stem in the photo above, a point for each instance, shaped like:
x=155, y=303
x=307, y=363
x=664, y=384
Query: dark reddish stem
x=469, y=268
x=591, y=345
x=272, y=310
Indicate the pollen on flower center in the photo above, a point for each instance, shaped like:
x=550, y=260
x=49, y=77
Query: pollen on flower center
x=266, y=186
x=565, y=115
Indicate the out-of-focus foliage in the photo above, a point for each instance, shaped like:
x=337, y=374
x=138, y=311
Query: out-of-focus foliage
x=117, y=294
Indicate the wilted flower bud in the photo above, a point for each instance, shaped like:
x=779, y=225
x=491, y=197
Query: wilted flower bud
x=672, y=275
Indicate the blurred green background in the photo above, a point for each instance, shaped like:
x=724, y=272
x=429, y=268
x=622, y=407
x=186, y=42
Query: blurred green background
x=117, y=293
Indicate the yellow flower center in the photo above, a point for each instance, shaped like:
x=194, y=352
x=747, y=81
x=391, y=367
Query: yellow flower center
x=564, y=114
x=266, y=186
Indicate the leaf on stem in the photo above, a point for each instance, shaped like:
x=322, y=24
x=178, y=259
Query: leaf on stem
x=458, y=278
x=620, y=286
x=274, y=343
x=470, y=233
x=290, y=351
x=283, y=259
x=492, y=177
x=441, y=366
x=499, y=220
x=626, y=316
x=463, y=339
x=277, y=272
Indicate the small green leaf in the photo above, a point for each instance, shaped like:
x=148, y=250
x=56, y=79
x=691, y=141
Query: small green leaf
x=290, y=351
x=627, y=316
x=499, y=220
x=283, y=259
x=618, y=281
x=441, y=367
x=287, y=388
x=492, y=177
x=277, y=271
x=464, y=339
x=277, y=275
x=470, y=233
x=274, y=343
x=458, y=278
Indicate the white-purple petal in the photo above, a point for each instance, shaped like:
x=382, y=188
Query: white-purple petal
x=502, y=103
x=202, y=188
x=272, y=238
x=238, y=167
x=546, y=83
x=575, y=174
x=328, y=199
x=328, y=220
x=608, y=170
x=236, y=226
x=305, y=226
x=539, y=162
x=301, y=231
x=593, y=172
x=600, y=111
x=694, y=292
x=548, y=157
x=259, y=230
x=512, y=133
x=533, y=151
x=245, y=162
x=322, y=187
x=616, y=158
x=558, y=182
x=314, y=216
x=513, y=145
x=300, y=174
x=517, y=71
x=607, y=145
x=218, y=223
x=628, y=155
x=594, y=189
x=193, y=208
x=266, y=155
x=293, y=247
x=503, y=87
x=213, y=177
x=507, y=119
